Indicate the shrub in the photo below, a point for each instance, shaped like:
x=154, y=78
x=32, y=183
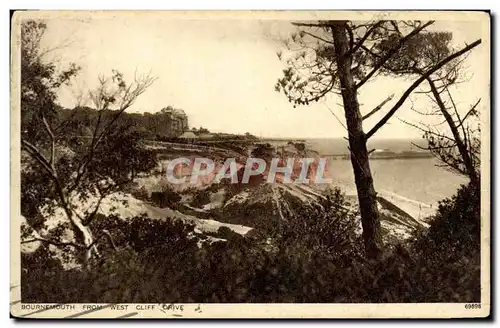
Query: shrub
x=328, y=229
x=318, y=258
x=166, y=198
x=200, y=198
x=456, y=228
x=141, y=194
x=134, y=249
x=228, y=234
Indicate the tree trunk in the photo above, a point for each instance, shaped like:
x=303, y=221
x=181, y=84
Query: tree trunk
x=462, y=148
x=82, y=233
x=367, y=196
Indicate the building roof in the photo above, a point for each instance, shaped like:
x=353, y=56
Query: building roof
x=188, y=135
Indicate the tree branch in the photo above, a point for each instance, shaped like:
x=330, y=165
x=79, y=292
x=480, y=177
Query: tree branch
x=92, y=215
x=127, y=100
x=110, y=238
x=391, y=53
x=472, y=110
x=54, y=242
x=433, y=148
x=37, y=155
x=376, y=109
x=416, y=84
x=316, y=37
x=456, y=113
x=428, y=130
x=312, y=24
x=52, y=140
x=108, y=235
x=360, y=42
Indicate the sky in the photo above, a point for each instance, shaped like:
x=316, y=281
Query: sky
x=222, y=72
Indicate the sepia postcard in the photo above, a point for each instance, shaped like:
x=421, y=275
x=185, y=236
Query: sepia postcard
x=250, y=164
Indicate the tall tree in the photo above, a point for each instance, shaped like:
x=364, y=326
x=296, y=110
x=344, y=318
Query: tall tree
x=62, y=173
x=339, y=57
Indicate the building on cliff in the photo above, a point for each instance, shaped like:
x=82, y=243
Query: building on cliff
x=178, y=120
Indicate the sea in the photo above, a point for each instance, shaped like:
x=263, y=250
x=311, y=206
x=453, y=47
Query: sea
x=418, y=180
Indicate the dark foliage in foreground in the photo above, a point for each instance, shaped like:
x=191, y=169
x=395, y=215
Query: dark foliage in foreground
x=159, y=261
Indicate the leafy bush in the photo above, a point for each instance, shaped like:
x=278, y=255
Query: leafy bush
x=329, y=228
x=318, y=258
x=200, y=198
x=140, y=193
x=166, y=198
x=127, y=249
x=456, y=228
